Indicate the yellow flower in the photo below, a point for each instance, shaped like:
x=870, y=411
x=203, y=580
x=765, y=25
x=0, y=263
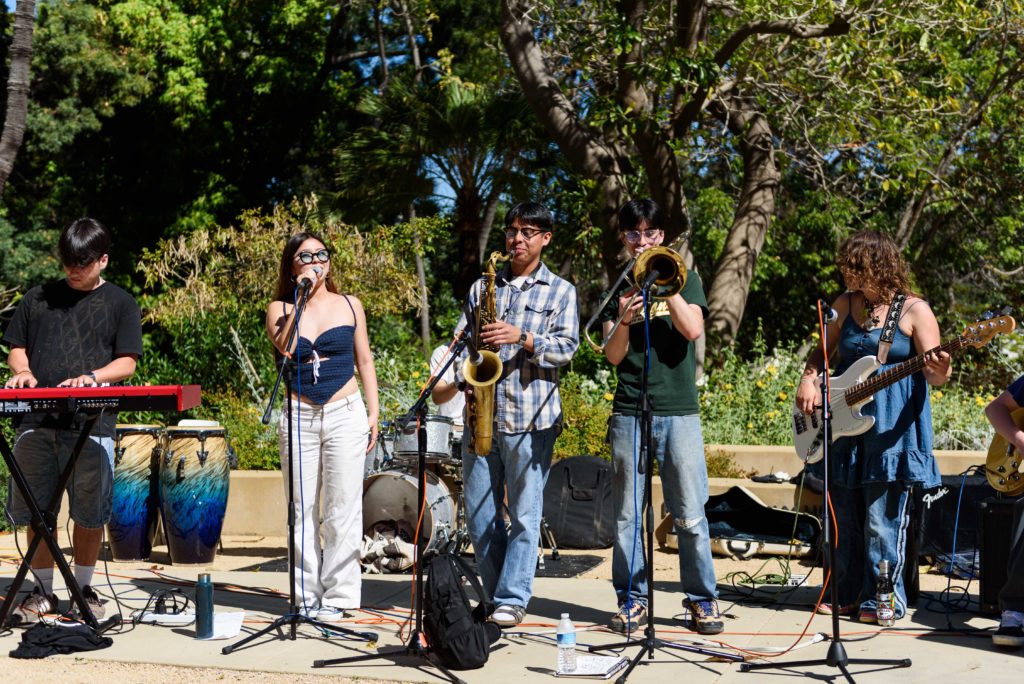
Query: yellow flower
x=979, y=400
x=783, y=396
x=727, y=386
x=608, y=396
x=937, y=394
x=760, y=384
x=771, y=414
x=772, y=369
x=990, y=398
x=415, y=374
x=750, y=426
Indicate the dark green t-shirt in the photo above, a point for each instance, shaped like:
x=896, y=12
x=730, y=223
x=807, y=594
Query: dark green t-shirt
x=671, y=384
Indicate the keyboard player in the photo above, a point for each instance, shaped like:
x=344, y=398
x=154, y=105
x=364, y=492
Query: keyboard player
x=74, y=332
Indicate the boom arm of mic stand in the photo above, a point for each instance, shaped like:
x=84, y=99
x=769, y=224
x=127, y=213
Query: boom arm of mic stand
x=415, y=409
x=304, y=298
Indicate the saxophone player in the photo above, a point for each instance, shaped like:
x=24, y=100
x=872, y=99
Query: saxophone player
x=535, y=328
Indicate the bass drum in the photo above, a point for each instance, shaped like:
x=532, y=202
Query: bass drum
x=135, y=507
x=390, y=498
x=195, y=472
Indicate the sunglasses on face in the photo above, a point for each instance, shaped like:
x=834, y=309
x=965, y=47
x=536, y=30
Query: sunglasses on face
x=527, y=233
x=633, y=236
x=321, y=255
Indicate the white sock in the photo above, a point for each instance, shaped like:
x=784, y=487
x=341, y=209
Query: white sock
x=44, y=580
x=83, y=574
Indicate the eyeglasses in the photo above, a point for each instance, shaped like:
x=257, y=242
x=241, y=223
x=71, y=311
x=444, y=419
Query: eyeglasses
x=528, y=233
x=633, y=236
x=321, y=255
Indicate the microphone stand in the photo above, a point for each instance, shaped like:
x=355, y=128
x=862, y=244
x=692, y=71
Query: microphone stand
x=645, y=466
x=295, y=616
x=417, y=645
x=836, y=656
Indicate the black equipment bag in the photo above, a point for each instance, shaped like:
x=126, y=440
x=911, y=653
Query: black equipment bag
x=457, y=632
x=579, y=504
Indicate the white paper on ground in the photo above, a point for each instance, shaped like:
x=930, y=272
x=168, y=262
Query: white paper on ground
x=227, y=625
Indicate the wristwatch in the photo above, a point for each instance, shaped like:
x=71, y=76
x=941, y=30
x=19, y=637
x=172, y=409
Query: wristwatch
x=522, y=338
x=92, y=374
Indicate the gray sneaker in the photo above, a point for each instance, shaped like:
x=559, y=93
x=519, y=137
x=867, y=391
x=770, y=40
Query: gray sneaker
x=94, y=602
x=32, y=607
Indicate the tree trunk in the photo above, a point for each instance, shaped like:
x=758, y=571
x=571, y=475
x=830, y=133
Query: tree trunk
x=18, y=82
x=727, y=297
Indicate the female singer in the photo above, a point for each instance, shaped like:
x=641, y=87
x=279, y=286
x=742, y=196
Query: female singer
x=873, y=473
x=331, y=426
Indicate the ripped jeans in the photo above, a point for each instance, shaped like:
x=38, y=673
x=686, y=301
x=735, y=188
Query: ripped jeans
x=678, y=446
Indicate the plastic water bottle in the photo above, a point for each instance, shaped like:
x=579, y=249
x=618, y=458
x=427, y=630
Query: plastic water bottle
x=204, y=607
x=885, y=596
x=566, y=644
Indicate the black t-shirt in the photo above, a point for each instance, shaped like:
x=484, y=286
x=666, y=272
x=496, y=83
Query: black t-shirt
x=671, y=384
x=67, y=332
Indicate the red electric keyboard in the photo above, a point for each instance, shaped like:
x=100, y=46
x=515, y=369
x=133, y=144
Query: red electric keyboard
x=16, y=402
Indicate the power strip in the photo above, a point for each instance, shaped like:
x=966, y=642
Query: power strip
x=167, y=619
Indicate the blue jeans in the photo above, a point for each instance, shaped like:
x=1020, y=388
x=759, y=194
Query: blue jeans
x=507, y=558
x=677, y=444
x=872, y=522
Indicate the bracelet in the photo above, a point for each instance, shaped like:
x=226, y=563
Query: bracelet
x=809, y=378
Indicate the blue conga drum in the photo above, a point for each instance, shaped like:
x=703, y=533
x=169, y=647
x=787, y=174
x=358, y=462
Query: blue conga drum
x=194, y=475
x=136, y=494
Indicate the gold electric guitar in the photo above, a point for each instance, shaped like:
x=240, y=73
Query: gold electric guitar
x=1002, y=467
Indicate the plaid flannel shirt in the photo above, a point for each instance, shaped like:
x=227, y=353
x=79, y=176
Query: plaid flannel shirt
x=526, y=396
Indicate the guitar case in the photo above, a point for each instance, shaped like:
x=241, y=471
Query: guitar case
x=578, y=503
x=741, y=526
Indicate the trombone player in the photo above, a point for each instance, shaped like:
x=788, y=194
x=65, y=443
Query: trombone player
x=524, y=317
x=677, y=319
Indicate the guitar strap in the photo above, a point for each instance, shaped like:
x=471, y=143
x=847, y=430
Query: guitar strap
x=892, y=319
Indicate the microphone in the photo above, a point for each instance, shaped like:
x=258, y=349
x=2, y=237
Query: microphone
x=654, y=275
x=307, y=283
x=828, y=312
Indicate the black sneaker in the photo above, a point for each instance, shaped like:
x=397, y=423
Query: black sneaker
x=1011, y=630
x=704, y=617
x=630, y=618
x=32, y=607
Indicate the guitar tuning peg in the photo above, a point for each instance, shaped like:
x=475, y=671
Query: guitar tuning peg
x=1006, y=311
x=988, y=315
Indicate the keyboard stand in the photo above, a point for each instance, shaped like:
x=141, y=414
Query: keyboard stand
x=44, y=524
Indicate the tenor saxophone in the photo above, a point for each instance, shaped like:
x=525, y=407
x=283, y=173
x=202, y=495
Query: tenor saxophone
x=483, y=375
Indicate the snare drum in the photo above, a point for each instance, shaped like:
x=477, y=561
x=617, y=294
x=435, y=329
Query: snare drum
x=194, y=477
x=392, y=496
x=136, y=495
x=439, y=442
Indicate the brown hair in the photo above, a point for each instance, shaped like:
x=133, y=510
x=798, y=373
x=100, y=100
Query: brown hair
x=285, y=278
x=878, y=261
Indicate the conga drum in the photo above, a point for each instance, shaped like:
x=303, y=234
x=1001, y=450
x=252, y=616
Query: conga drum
x=194, y=478
x=136, y=495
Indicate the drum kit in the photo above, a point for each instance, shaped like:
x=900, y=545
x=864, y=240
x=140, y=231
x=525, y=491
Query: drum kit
x=179, y=474
x=390, y=485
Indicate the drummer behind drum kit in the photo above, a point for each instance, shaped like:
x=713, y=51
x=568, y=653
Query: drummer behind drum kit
x=180, y=473
x=390, y=486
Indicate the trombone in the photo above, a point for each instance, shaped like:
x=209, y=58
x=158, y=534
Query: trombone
x=670, y=280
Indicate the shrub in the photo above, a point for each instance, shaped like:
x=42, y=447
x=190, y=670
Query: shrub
x=586, y=405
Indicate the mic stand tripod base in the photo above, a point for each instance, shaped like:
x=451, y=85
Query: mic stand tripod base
x=293, y=620
x=836, y=657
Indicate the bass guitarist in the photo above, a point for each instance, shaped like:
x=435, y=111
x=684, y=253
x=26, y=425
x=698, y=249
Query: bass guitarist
x=872, y=474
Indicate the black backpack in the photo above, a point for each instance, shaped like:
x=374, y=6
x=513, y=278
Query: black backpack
x=457, y=632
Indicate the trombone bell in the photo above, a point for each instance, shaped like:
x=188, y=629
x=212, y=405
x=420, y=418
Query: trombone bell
x=670, y=281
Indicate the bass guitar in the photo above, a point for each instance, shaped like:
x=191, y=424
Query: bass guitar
x=855, y=388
